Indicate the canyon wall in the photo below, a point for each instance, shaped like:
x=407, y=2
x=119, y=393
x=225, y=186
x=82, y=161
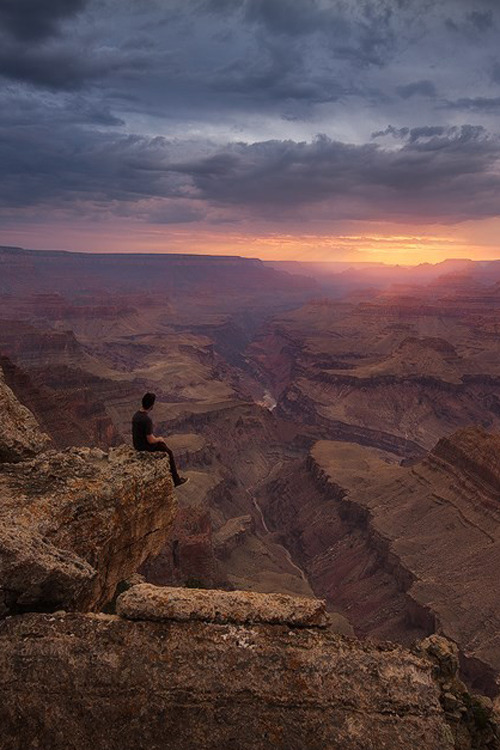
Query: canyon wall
x=403, y=551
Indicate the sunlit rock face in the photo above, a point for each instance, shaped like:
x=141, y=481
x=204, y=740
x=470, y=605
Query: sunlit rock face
x=75, y=523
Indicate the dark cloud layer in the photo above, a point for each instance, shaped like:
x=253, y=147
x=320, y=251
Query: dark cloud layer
x=194, y=110
x=443, y=174
x=35, y=20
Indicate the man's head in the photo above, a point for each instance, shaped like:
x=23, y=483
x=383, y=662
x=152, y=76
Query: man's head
x=148, y=400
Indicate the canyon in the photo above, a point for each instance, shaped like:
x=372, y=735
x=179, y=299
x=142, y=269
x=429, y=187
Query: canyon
x=340, y=432
x=209, y=668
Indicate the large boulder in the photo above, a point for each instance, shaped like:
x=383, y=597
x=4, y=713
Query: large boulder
x=147, y=602
x=73, y=524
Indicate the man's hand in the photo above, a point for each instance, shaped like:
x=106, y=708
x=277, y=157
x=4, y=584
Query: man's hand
x=152, y=439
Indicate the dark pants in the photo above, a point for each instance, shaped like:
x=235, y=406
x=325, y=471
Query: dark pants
x=163, y=447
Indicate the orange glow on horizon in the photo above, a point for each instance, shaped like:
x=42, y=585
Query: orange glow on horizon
x=370, y=243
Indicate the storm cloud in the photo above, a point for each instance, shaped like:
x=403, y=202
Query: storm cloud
x=443, y=174
x=225, y=110
x=35, y=20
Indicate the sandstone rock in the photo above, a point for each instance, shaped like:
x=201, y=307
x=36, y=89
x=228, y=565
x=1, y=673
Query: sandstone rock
x=20, y=434
x=472, y=720
x=147, y=602
x=79, y=521
x=444, y=652
x=34, y=573
x=105, y=682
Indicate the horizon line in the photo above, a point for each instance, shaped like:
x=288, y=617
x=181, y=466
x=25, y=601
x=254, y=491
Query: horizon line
x=166, y=253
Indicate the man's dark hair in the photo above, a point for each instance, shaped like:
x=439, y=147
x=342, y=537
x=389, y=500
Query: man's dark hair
x=148, y=400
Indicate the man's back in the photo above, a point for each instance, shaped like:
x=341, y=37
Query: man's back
x=142, y=426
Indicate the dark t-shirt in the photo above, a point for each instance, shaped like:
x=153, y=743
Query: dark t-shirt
x=142, y=426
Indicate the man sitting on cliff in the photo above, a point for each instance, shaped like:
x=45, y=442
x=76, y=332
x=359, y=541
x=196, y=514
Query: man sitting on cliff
x=145, y=440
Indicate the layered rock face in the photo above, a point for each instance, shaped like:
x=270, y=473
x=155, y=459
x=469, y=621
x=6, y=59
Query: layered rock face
x=20, y=434
x=108, y=682
x=67, y=403
x=397, y=373
x=405, y=550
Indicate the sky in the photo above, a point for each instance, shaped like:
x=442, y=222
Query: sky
x=360, y=130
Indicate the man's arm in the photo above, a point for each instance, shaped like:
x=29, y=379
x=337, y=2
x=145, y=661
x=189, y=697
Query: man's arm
x=152, y=439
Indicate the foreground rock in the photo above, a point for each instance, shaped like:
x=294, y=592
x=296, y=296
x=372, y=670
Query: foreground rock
x=147, y=602
x=105, y=682
x=20, y=434
x=472, y=720
x=75, y=523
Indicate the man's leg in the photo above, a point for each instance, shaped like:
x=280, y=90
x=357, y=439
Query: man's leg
x=163, y=447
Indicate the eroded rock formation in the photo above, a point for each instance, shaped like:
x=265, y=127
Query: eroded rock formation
x=106, y=511
x=404, y=551
x=73, y=523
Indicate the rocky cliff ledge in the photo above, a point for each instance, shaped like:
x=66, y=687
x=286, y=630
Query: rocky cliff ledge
x=224, y=678
x=76, y=522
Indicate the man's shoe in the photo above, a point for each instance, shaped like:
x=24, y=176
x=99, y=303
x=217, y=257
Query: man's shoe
x=181, y=480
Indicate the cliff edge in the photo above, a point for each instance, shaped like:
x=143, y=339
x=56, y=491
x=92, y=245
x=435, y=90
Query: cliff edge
x=74, y=523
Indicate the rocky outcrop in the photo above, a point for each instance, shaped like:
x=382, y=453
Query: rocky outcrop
x=75, y=523
x=20, y=434
x=35, y=574
x=107, y=682
x=147, y=602
x=472, y=720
